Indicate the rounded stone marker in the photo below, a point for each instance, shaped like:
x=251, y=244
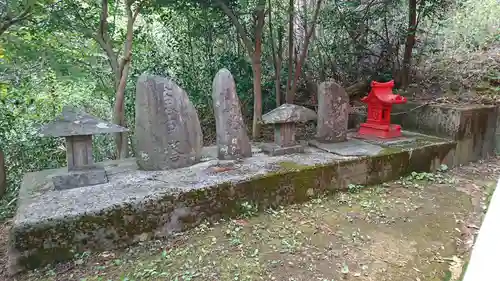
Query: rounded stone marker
x=232, y=137
x=333, y=113
x=168, y=132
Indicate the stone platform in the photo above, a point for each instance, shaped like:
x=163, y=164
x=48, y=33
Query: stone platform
x=52, y=225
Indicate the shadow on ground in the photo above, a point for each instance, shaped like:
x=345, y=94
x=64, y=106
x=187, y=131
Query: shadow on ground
x=418, y=228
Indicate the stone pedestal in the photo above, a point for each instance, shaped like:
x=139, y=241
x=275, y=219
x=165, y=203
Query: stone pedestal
x=80, y=178
x=275, y=150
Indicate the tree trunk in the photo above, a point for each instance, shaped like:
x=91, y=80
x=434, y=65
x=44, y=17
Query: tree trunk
x=410, y=42
x=121, y=139
x=289, y=95
x=257, y=92
x=3, y=174
x=256, y=68
x=276, y=58
x=358, y=90
x=303, y=55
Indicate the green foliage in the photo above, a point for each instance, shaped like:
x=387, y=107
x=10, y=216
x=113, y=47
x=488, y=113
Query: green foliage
x=462, y=48
x=52, y=60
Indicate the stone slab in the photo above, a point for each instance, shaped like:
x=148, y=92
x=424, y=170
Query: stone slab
x=385, y=142
x=273, y=149
x=75, y=179
x=351, y=147
x=52, y=225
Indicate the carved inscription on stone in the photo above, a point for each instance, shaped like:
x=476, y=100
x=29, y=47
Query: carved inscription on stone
x=333, y=113
x=232, y=138
x=168, y=132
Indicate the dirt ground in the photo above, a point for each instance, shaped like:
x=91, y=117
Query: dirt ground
x=418, y=228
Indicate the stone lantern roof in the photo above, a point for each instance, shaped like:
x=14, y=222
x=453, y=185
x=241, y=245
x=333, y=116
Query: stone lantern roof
x=74, y=122
x=289, y=113
x=78, y=127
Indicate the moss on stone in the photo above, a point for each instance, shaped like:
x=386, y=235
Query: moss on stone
x=289, y=165
x=290, y=183
x=389, y=150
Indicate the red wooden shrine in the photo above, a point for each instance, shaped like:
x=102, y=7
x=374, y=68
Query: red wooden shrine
x=380, y=101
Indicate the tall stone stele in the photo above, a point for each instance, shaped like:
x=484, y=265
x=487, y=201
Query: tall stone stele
x=78, y=127
x=284, y=119
x=232, y=138
x=333, y=113
x=167, y=129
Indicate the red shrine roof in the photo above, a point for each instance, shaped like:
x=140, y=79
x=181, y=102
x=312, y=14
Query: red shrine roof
x=382, y=92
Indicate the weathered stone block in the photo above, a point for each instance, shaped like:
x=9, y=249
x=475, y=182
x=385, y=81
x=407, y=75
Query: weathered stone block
x=333, y=113
x=275, y=149
x=351, y=147
x=167, y=129
x=134, y=205
x=81, y=178
x=232, y=139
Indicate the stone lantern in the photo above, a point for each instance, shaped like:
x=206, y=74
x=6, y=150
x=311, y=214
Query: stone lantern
x=78, y=127
x=284, y=119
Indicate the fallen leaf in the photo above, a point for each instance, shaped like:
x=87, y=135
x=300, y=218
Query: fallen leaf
x=240, y=222
x=221, y=169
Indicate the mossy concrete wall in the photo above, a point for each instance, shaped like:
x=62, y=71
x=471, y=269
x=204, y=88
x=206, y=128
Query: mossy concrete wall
x=473, y=127
x=52, y=226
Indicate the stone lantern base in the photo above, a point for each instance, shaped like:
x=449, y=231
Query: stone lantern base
x=80, y=178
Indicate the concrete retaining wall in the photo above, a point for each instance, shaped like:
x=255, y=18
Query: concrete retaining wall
x=473, y=127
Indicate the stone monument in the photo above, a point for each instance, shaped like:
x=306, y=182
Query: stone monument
x=333, y=113
x=284, y=119
x=168, y=132
x=232, y=139
x=78, y=127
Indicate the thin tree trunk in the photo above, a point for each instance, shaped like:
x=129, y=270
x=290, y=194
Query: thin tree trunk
x=303, y=54
x=289, y=95
x=121, y=139
x=276, y=59
x=410, y=42
x=3, y=174
x=257, y=92
x=256, y=67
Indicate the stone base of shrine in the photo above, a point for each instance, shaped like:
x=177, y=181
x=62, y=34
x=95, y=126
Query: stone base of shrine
x=273, y=149
x=53, y=225
x=369, y=130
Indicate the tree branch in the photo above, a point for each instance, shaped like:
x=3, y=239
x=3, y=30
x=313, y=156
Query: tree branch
x=7, y=21
x=103, y=39
x=303, y=55
x=131, y=18
x=239, y=27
